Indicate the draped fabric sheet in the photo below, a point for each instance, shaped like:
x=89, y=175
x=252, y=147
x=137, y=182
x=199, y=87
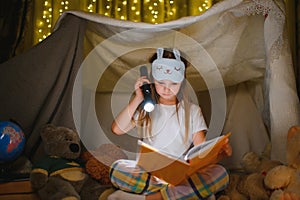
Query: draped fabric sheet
x=83, y=74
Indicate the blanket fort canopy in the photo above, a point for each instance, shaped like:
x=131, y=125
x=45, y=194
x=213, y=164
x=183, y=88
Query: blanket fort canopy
x=241, y=71
x=151, y=11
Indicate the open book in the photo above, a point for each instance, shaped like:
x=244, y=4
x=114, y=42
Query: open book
x=174, y=170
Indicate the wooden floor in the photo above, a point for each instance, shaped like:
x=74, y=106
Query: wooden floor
x=17, y=190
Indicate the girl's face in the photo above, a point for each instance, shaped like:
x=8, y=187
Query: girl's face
x=167, y=90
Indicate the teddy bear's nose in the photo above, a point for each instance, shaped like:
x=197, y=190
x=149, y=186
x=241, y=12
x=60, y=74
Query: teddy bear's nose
x=74, y=147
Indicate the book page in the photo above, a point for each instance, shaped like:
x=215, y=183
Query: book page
x=208, y=154
x=202, y=149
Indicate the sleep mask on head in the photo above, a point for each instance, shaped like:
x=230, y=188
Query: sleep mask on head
x=168, y=68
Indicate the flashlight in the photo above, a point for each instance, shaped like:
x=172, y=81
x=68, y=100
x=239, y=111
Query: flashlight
x=148, y=103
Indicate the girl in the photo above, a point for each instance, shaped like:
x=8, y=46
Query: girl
x=173, y=126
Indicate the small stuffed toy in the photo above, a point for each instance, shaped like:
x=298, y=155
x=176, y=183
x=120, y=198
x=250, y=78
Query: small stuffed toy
x=254, y=163
x=99, y=160
x=252, y=186
x=58, y=175
x=249, y=182
x=285, y=179
x=245, y=187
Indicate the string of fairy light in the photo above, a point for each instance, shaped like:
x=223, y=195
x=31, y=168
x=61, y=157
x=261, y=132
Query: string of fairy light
x=44, y=24
x=149, y=11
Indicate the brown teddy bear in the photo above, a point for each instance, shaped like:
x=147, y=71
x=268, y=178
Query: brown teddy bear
x=255, y=163
x=99, y=160
x=248, y=183
x=252, y=186
x=243, y=186
x=58, y=175
x=285, y=179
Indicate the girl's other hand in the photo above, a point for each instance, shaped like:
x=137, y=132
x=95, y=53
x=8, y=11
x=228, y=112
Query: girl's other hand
x=226, y=150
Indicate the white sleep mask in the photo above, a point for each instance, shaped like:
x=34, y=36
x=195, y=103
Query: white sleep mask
x=168, y=68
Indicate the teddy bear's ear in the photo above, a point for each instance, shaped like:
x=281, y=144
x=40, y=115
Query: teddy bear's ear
x=292, y=147
x=293, y=131
x=47, y=130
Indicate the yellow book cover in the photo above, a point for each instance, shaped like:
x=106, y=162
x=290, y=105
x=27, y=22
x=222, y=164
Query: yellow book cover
x=174, y=170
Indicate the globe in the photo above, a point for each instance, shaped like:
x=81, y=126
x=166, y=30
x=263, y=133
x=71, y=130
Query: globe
x=12, y=141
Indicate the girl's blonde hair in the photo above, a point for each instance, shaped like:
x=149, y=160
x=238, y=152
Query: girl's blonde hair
x=144, y=123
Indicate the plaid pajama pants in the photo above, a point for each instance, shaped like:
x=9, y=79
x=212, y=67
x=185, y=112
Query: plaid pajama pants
x=129, y=177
